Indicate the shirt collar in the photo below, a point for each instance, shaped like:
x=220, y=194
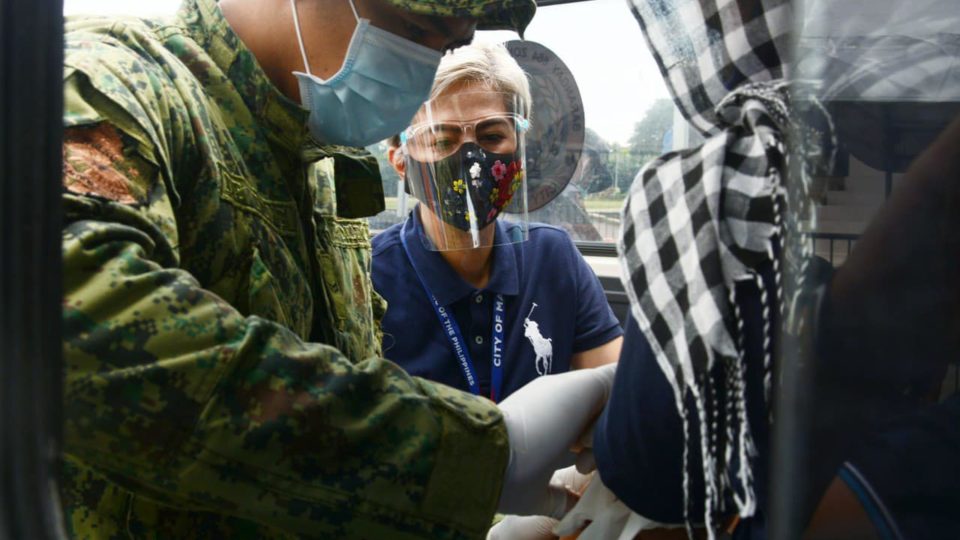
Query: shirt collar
x=285, y=119
x=443, y=281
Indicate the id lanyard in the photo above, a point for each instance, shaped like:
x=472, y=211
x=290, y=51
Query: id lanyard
x=452, y=331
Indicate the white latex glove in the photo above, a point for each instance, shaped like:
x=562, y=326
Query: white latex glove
x=523, y=528
x=544, y=420
x=585, y=462
x=540, y=527
x=571, y=480
x=605, y=517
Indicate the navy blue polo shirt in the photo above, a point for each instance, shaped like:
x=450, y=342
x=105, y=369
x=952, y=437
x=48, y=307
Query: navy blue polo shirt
x=544, y=280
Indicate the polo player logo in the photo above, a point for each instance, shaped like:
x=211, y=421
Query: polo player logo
x=542, y=346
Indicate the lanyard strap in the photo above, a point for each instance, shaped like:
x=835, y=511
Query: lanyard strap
x=452, y=331
x=496, y=348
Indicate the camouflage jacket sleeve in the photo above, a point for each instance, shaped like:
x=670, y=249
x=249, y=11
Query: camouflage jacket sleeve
x=176, y=397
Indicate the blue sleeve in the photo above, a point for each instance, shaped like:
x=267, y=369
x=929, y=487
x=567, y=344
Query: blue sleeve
x=638, y=440
x=596, y=322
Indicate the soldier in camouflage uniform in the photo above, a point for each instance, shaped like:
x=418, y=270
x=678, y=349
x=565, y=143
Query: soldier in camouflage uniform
x=222, y=345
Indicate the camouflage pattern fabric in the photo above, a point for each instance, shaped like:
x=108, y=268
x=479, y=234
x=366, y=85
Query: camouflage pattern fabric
x=491, y=14
x=221, y=349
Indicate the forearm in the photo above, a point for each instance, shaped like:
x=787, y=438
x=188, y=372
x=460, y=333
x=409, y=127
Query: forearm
x=170, y=391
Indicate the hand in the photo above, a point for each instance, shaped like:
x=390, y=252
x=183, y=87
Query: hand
x=541, y=527
x=523, y=528
x=600, y=515
x=571, y=481
x=544, y=420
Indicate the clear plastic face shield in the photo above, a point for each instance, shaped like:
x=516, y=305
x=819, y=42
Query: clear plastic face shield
x=465, y=161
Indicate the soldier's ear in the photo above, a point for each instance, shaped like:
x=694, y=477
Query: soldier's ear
x=395, y=156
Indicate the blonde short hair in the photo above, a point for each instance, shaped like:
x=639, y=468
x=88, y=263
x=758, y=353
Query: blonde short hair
x=486, y=64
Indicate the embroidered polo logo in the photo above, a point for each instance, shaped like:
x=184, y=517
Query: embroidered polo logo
x=542, y=346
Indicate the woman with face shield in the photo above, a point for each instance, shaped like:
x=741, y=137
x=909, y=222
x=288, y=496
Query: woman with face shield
x=477, y=301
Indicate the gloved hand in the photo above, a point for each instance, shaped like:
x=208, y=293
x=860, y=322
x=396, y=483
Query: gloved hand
x=600, y=515
x=523, y=528
x=571, y=480
x=541, y=527
x=544, y=420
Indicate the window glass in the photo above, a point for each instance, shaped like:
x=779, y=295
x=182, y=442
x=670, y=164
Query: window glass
x=628, y=116
x=871, y=409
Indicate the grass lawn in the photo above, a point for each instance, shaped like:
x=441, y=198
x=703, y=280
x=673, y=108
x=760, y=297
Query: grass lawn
x=600, y=205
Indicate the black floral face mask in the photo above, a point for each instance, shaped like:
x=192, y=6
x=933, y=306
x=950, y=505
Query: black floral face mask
x=472, y=185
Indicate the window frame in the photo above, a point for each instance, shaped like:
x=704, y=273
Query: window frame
x=31, y=367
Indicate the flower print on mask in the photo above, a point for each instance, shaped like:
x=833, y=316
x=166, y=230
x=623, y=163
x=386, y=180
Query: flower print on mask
x=498, y=170
x=507, y=185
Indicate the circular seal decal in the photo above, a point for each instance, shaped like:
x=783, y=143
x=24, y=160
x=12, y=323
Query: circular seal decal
x=556, y=135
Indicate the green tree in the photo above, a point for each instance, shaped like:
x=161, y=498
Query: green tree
x=647, y=141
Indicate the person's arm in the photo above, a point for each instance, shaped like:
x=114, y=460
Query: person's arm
x=607, y=353
x=840, y=515
x=599, y=337
x=172, y=393
x=899, y=482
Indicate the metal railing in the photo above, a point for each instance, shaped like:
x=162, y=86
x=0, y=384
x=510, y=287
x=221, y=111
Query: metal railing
x=834, y=247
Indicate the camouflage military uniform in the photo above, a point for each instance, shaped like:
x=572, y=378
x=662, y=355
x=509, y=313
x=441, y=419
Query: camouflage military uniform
x=223, y=378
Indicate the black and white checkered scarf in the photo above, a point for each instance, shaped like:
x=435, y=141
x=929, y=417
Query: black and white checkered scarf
x=699, y=220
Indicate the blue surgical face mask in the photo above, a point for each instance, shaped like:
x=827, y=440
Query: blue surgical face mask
x=383, y=81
